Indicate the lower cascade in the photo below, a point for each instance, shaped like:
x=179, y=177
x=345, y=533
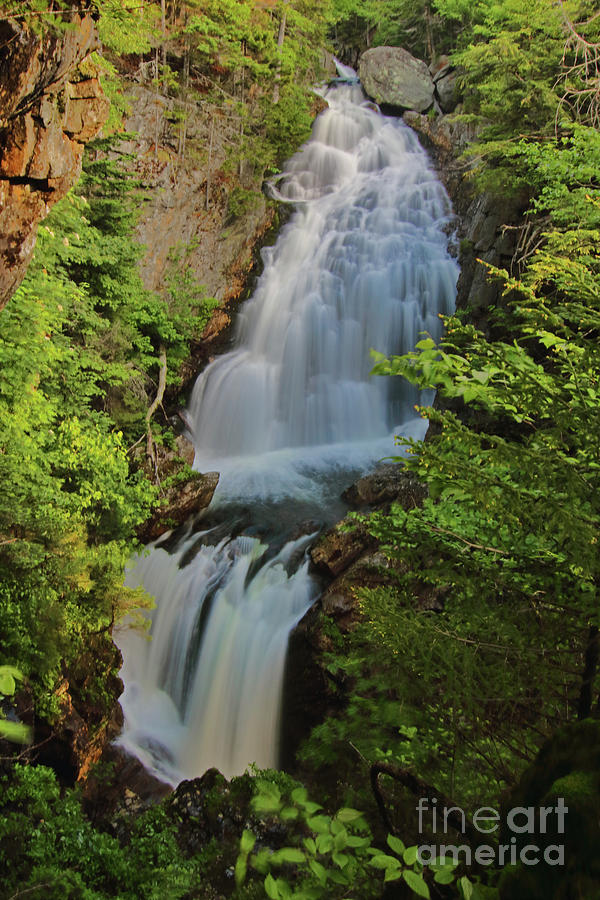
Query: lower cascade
x=289, y=417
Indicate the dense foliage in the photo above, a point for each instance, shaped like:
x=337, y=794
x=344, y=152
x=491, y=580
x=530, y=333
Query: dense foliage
x=79, y=350
x=51, y=850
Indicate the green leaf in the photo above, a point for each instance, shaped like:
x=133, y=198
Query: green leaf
x=284, y=888
x=247, y=841
x=341, y=840
x=416, y=883
x=395, y=844
x=465, y=887
x=11, y=670
x=240, y=871
x=318, y=870
x=383, y=861
x=392, y=874
x=310, y=845
x=347, y=814
x=7, y=684
x=410, y=855
x=310, y=807
x=261, y=861
x=288, y=813
x=288, y=855
x=324, y=843
x=320, y=824
x=15, y=732
x=271, y=888
x=265, y=803
x=354, y=840
x=340, y=859
x=548, y=339
x=299, y=795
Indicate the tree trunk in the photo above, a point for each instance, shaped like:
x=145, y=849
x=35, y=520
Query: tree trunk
x=429, y=33
x=241, y=161
x=592, y=651
x=163, y=27
x=280, y=40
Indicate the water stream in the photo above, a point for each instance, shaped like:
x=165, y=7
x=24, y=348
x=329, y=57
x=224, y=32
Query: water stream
x=289, y=417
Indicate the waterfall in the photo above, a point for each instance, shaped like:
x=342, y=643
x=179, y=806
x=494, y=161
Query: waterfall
x=288, y=418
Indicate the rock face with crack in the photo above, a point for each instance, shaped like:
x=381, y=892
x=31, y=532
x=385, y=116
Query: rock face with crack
x=51, y=104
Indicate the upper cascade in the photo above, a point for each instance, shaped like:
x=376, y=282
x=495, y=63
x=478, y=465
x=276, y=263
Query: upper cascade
x=363, y=264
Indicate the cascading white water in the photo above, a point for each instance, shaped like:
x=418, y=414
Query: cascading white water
x=289, y=413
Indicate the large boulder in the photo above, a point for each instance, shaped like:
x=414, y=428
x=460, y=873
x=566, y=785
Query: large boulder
x=392, y=77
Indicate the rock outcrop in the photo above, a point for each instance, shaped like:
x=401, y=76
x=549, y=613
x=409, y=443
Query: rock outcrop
x=487, y=223
x=87, y=718
x=183, y=493
x=393, y=77
x=445, y=82
x=348, y=558
x=51, y=104
x=181, y=502
x=387, y=483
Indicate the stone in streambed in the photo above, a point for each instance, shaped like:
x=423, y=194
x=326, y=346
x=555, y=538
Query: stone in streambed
x=388, y=482
x=338, y=549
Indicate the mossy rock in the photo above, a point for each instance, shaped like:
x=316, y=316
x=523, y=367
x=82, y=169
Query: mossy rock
x=565, y=773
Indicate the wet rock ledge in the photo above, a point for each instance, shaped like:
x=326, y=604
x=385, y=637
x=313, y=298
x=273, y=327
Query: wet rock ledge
x=347, y=558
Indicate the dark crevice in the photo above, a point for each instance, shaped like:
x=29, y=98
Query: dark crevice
x=39, y=184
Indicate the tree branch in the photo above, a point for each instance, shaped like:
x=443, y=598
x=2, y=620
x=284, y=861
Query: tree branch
x=420, y=788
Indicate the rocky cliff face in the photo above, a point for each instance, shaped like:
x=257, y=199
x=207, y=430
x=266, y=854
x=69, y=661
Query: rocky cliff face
x=187, y=206
x=487, y=225
x=51, y=104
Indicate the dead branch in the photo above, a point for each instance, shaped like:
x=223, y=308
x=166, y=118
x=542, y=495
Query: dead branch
x=160, y=392
x=580, y=77
x=420, y=788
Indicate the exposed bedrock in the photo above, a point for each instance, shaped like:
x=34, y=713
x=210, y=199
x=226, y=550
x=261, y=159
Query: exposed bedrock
x=51, y=104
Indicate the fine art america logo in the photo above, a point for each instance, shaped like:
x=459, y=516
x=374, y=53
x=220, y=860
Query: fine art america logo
x=520, y=820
